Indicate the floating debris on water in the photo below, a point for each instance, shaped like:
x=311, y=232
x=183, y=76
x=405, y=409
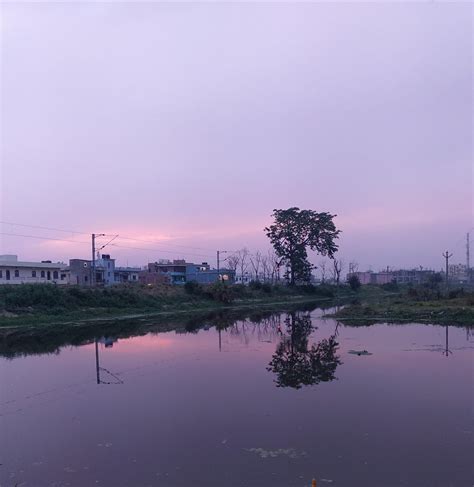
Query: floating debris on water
x=289, y=452
x=359, y=352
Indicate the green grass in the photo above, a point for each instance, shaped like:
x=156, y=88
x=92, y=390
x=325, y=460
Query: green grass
x=36, y=304
x=407, y=307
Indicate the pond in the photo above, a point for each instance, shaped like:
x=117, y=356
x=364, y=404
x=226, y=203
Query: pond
x=270, y=401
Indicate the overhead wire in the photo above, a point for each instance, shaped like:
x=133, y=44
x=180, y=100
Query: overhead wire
x=120, y=237
x=148, y=249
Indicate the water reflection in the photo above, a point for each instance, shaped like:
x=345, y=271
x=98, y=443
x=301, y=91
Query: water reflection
x=100, y=371
x=161, y=426
x=295, y=363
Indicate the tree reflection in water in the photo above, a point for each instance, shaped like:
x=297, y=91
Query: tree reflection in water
x=296, y=365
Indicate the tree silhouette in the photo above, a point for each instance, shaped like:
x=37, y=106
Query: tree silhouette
x=293, y=232
x=296, y=365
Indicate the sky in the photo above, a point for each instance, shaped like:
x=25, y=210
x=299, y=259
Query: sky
x=186, y=124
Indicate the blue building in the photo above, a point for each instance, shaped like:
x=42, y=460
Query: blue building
x=179, y=272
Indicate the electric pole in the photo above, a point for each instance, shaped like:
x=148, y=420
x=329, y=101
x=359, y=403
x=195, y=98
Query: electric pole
x=468, y=263
x=447, y=256
x=94, y=236
x=219, y=252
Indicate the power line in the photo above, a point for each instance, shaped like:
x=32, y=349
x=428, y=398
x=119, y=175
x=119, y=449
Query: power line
x=120, y=237
x=111, y=244
x=43, y=238
x=43, y=228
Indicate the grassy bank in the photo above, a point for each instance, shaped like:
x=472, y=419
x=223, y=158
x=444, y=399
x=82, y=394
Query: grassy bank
x=410, y=305
x=49, y=304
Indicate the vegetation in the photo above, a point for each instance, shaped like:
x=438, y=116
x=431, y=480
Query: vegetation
x=293, y=232
x=47, y=303
x=422, y=304
x=354, y=282
x=39, y=304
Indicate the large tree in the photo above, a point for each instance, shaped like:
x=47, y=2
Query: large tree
x=293, y=232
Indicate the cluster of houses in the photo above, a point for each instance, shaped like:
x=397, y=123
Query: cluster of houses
x=457, y=273
x=103, y=271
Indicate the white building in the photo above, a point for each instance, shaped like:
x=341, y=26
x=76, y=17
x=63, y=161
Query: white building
x=13, y=271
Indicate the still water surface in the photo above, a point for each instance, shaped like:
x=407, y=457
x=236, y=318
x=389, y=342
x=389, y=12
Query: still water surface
x=208, y=409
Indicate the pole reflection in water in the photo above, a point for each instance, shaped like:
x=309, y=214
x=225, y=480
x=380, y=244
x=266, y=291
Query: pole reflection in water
x=108, y=342
x=447, y=351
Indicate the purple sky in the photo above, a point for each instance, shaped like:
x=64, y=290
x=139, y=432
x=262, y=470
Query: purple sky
x=191, y=122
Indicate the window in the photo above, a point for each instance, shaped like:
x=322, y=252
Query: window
x=63, y=276
x=1, y=274
x=55, y=275
x=134, y=277
x=7, y=274
x=42, y=274
x=17, y=273
x=33, y=273
x=85, y=278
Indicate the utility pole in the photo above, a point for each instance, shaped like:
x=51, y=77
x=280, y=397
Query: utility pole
x=94, y=236
x=219, y=252
x=447, y=256
x=468, y=263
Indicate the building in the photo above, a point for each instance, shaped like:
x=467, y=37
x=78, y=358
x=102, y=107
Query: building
x=80, y=271
x=412, y=276
x=402, y=276
x=13, y=271
x=458, y=273
x=126, y=274
x=179, y=272
x=106, y=272
x=364, y=277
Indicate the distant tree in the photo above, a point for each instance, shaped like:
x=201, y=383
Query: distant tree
x=353, y=267
x=293, y=232
x=322, y=269
x=243, y=255
x=256, y=261
x=274, y=266
x=354, y=282
x=338, y=265
x=233, y=262
x=266, y=269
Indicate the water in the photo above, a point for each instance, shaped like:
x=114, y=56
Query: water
x=203, y=408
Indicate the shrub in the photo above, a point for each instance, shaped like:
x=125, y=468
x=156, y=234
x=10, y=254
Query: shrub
x=220, y=292
x=267, y=288
x=456, y=293
x=193, y=287
x=354, y=282
x=390, y=286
